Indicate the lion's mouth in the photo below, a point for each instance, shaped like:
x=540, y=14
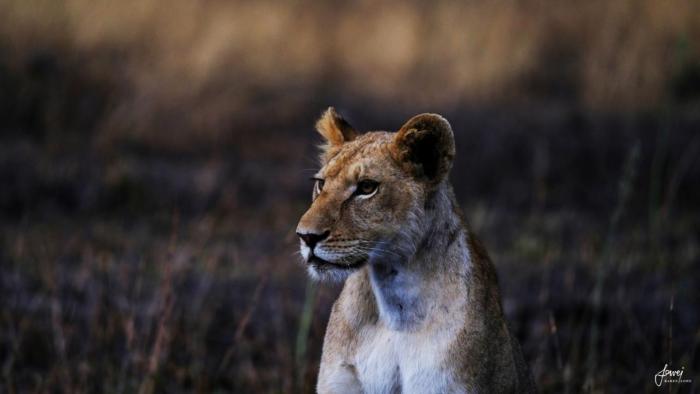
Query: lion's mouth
x=320, y=263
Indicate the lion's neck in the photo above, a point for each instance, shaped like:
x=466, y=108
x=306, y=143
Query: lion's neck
x=414, y=277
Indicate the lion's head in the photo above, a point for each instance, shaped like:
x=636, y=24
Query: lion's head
x=371, y=191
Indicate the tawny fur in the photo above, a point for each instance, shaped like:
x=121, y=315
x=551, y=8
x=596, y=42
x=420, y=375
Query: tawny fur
x=420, y=311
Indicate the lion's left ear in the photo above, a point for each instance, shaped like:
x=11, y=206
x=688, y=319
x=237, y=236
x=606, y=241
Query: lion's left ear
x=425, y=147
x=334, y=128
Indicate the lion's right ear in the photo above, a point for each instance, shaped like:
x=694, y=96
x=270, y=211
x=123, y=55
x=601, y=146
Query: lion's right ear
x=425, y=147
x=335, y=129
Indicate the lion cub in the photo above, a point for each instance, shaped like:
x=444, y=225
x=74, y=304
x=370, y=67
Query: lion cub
x=420, y=311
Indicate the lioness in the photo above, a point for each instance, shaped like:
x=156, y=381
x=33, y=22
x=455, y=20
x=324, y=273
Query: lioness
x=420, y=311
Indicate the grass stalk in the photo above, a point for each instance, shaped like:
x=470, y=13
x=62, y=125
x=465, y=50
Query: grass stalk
x=605, y=263
x=303, y=331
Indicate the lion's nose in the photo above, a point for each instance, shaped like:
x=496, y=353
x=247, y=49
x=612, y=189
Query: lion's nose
x=311, y=239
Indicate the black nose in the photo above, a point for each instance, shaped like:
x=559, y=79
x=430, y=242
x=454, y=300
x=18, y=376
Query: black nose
x=311, y=239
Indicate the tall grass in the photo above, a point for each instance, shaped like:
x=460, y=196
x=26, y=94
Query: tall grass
x=607, y=261
x=112, y=116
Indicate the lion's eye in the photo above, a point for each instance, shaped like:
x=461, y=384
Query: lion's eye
x=366, y=187
x=319, y=185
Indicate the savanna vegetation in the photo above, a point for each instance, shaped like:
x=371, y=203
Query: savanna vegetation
x=155, y=155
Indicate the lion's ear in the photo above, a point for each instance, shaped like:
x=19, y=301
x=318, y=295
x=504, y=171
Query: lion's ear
x=425, y=147
x=334, y=128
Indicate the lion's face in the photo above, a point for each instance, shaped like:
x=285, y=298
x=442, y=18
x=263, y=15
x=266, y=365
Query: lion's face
x=360, y=198
x=370, y=190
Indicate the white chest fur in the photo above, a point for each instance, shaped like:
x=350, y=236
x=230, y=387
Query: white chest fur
x=392, y=362
x=407, y=350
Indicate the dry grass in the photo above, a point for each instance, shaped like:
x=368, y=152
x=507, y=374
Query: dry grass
x=154, y=157
x=219, y=65
x=185, y=288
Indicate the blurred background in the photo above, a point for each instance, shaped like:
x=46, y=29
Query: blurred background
x=155, y=155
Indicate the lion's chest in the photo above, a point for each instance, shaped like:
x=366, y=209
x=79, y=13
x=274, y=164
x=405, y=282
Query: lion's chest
x=391, y=362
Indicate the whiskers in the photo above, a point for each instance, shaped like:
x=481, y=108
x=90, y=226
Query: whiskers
x=350, y=252
x=380, y=249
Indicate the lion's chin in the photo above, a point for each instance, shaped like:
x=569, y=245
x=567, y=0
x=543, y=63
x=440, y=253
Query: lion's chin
x=328, y=271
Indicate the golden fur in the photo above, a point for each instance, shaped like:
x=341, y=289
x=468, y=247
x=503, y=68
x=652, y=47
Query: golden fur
x=420, y=310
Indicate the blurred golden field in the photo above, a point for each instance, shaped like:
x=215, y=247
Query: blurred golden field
x=155, y=155
x=195, y=70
